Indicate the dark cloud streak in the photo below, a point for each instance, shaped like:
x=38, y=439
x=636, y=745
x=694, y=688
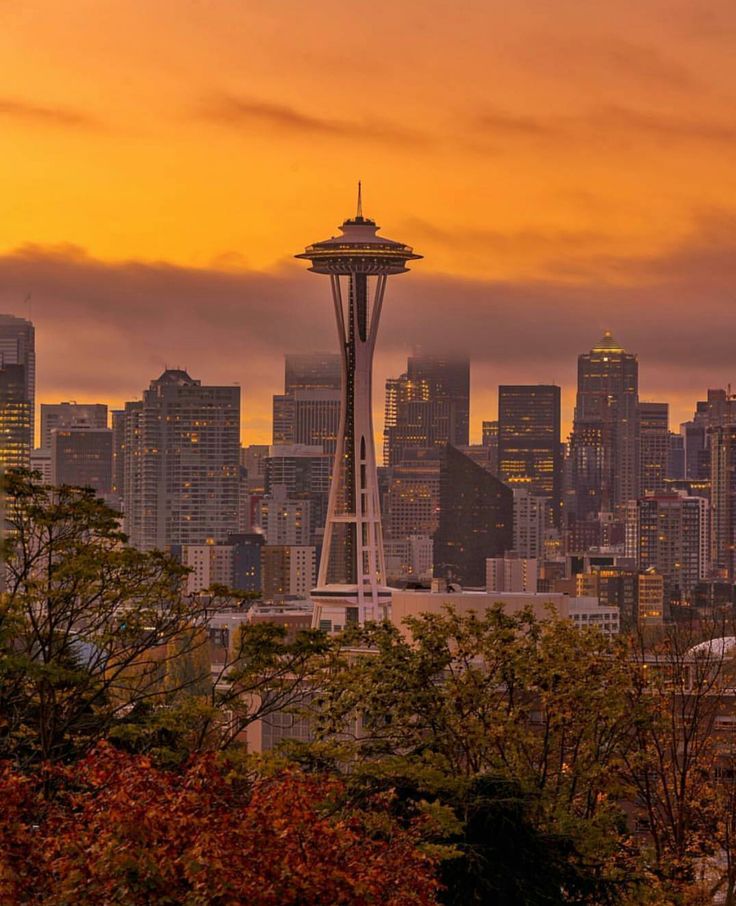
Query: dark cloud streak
x=107, y=329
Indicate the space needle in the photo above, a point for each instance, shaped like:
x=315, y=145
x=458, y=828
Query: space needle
x=351, y=585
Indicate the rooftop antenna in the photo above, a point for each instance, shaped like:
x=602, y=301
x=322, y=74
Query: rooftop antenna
x=27, y=301
x=359, y=213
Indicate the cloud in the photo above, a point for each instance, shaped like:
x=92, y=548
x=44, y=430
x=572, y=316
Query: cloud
x=105, y=330
x=244, y=112
x=608, y=60
x=602, y=125
x=14, y=108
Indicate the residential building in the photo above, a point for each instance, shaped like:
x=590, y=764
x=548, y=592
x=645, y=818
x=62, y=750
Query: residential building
x=180, y=449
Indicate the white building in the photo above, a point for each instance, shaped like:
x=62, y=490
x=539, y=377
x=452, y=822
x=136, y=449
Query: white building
x=285, y=520
x=211, y=564
x=531, y=518
x=409, y=558
x=582, y=611
x=512, y=573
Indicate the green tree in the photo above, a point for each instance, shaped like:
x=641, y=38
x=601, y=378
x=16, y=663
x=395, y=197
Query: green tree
x=537, y=704
x=89, y=627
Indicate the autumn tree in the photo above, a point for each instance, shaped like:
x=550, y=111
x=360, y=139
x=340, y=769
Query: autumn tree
x=119, y=830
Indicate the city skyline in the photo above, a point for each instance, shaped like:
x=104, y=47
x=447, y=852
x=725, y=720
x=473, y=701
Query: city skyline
x=581, y=181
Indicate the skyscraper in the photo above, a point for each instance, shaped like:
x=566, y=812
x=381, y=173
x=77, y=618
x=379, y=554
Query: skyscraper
x=70, y=415
x=605, y=436
x=427, y=407
x=82, y=457
x=475, y=522
x=181, y=463
x=654, y=447
x=308, y=411
x=490, y=440
x=529, y=447
x=17, y=391
x=358, y=263
x=672, y=538
x=722, y=440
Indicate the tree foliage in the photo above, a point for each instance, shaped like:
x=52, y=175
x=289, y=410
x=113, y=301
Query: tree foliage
x=119, y=830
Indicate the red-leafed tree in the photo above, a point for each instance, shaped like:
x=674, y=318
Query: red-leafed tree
x=114, y=829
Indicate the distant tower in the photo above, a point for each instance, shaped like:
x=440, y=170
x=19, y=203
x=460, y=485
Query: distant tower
x=352, y=574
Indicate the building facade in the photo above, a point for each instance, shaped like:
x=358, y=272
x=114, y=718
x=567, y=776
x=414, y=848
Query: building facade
x=180, y=452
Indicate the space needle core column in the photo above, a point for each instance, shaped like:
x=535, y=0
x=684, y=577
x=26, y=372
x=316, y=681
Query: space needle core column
x=352, y=573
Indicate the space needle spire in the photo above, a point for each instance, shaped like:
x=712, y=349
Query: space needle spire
x=351, y=585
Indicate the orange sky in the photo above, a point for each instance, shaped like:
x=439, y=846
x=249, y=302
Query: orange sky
x=538, y=141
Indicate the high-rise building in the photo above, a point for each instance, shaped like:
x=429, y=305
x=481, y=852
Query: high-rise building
x=529, y=447
x=17, y=391
x=490, y=440
x=82, y=458
x=352, y=572
x=312, y=371
x=675, y=457
x=70, y=415
x=413, y=497
x=16, y=418
x=654, y=447
x=180, y=470
x=427, y=407
x=286, y=520
x=288, y=571
x=531, y=524
x=304, y=473
x=605, y=436
x=722, y=441
x=671, y=536
x=18, y=348
x=308, y=412
x=476, y=520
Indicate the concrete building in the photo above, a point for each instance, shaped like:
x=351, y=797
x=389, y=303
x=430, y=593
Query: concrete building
x=583, y=612
x=651, y=598
x=531, y=523
x=41, y=463
x=211, y=564
x=409, y=558
x=722, y=443
x=289, y=571
x=70, y=415
x=82, y=457
x=308, y=412
x=511, y=573
x=285, y=520
x=413, y=498
x=672, y=535
x=180, y=450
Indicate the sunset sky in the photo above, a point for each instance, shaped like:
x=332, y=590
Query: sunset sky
x=564, y=167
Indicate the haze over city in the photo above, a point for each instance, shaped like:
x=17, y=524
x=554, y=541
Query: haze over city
x=162, y=163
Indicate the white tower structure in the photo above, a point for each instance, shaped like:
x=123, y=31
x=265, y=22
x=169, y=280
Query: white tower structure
x=352, y=573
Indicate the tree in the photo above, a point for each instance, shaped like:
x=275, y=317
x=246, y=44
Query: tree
x=539, y=705
x=119, y=830
x=89, y=627
x=683, y=685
